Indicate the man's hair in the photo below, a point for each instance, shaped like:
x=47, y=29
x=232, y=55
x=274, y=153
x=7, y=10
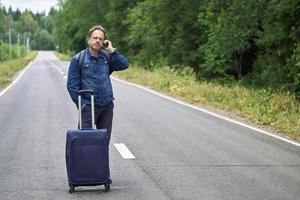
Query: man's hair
x=97, y=27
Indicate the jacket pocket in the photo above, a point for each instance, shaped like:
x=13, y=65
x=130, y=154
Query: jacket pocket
x=87, y=69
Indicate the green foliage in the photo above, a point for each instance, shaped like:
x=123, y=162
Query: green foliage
x=143, y=31
x=165, y=29
x=294, y=70
x=2, y=25
x=6, y=70
x=253, y=42
x=64, y=57
x=9, y=68
x=42, y=41
x=5, y=51
x=182, y=41
x=280, y=45
x=47, y=23
x=74, y=20
x=115, y=22
x=26, y=24
x=232, y=28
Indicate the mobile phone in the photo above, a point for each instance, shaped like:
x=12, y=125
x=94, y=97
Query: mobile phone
x=105, y=45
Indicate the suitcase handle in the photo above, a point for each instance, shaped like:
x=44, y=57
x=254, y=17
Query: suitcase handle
x=80, y=93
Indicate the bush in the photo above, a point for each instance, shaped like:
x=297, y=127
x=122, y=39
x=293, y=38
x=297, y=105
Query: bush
x=5, y=51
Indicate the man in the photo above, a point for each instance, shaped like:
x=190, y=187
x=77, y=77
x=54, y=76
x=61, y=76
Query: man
x=100, y=60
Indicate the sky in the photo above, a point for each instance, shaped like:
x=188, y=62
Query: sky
x=33, y=5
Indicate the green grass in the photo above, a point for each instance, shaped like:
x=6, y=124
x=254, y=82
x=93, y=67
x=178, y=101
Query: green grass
x=63, y=57
x=10, y=67
x=277, y=111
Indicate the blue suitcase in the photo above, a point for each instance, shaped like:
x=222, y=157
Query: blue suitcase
x=87, y=159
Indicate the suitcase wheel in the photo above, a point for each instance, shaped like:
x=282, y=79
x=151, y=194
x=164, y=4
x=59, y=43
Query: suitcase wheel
x=107, y=187
x=72, y=188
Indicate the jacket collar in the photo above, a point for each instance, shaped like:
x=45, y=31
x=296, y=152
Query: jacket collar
x=90, y=56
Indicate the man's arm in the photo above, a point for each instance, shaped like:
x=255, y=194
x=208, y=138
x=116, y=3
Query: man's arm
x=118, y=61
x=73, y=82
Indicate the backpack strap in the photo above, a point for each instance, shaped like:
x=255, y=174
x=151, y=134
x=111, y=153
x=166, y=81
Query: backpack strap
x=80, y=63
x=81, y=59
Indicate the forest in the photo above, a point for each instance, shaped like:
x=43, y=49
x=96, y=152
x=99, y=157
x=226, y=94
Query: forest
x=252, y=43
x=24, y=30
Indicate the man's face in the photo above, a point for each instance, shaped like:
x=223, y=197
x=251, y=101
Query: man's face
x=96, y=40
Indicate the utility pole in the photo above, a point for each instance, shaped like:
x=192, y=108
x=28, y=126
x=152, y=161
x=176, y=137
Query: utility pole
x=27, y=44
x=9, y=27
x=24, y=35
x=18, y=45
x=1, y=44
x=9, y=37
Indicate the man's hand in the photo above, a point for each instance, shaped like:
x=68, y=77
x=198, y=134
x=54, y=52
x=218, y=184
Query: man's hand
x=109, y=47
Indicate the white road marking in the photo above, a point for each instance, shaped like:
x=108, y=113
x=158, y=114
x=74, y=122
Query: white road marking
x=124, y=151
x=57, y=68
x=207, y=112
x=16, y=80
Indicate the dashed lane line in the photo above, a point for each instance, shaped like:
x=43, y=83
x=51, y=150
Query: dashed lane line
x=124, y=151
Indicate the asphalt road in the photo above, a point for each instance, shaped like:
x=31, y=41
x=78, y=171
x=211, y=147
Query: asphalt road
x=180, y=153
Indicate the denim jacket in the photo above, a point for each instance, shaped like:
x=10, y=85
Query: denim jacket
x=94, y=75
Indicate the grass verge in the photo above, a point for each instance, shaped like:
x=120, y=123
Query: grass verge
x=9, y=68
x=279, y=112
x=63, y=57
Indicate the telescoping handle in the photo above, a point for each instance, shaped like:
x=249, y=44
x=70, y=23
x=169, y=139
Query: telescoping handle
x=91, y=93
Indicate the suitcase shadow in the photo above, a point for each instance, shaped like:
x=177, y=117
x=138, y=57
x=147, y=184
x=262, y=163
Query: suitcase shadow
x=97, y=189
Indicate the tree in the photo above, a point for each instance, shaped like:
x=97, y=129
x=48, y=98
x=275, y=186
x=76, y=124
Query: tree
x=16, y=14
x=232, y=28
x=73, y=22
x=280, y=43
x=115, y=17
x=2, y=21
x=42, y=41
x=28, y=23
x=166, y=30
